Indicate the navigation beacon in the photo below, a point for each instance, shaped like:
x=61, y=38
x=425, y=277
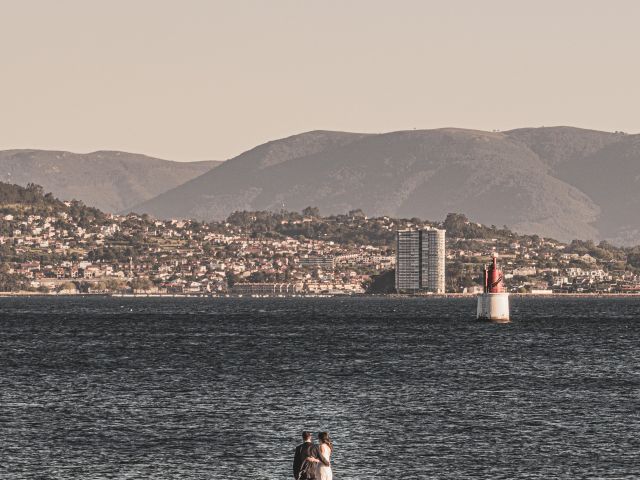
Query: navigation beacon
x=493, y=303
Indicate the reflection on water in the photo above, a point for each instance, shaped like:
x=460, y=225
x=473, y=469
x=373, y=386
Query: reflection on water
x=413, y=388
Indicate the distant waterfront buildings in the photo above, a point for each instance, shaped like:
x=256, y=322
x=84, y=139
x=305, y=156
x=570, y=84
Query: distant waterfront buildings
x=317, y=261
x=420, y=257
x=264, y=289
x=60, y=252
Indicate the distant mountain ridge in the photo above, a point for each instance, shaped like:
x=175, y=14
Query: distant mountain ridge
x=560, y=182
x=213, y=196
x=110, y=180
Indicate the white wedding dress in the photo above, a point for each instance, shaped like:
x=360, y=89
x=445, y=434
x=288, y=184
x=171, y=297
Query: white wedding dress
x=324, y=471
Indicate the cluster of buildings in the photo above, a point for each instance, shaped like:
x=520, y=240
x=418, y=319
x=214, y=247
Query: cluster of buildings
x=135, y=254
x=70, y=252
x=532, y=264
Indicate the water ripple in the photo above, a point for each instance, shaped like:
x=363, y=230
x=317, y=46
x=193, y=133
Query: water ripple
x=221, y=388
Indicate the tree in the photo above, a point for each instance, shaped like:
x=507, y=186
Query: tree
x=455, y=224
x=67, y=287
x=10, y=282
x=141, y=284
x=114, y=285
x=232, y=279
x=633, y=258
x=311, y=212
x=383, y=283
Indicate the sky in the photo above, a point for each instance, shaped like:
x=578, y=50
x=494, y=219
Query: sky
x=206, y=80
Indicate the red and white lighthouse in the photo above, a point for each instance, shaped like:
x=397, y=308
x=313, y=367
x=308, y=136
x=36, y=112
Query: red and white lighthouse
x=493, y=303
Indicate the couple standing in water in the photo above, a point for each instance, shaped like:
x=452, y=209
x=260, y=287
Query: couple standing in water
x=313, y=462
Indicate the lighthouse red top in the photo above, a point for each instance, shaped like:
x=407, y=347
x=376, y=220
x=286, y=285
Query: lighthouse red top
x=493, y=278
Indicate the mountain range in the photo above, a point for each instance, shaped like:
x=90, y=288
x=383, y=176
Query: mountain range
x=559, y=182
x=111, y=181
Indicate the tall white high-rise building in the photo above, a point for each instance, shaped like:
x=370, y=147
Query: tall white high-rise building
x=433, y=258
x=420, y=259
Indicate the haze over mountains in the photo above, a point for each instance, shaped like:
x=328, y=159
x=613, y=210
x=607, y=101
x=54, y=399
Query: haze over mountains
x=111, y=181
x=560, y=182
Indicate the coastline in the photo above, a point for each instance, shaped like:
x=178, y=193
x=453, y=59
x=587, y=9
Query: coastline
x=393, y=295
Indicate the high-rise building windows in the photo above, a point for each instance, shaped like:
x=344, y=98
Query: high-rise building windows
x=420, y=257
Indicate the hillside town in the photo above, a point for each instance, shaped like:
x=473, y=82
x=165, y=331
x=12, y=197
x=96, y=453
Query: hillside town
x=54, y=247
x=129, y=254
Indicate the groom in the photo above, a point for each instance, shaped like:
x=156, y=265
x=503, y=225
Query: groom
x=303, y=469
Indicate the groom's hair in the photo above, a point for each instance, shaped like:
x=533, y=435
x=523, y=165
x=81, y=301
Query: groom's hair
x=306, y=435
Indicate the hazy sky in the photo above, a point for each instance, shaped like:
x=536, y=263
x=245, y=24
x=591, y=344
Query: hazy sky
x=194, y=80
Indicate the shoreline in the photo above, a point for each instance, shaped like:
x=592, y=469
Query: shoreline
x=392, y=296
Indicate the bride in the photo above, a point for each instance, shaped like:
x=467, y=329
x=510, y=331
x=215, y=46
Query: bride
x=324, y=465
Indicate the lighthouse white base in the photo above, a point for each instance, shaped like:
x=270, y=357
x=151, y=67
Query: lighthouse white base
x=493, y=307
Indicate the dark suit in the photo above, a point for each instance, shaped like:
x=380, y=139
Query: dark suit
x=305, y=470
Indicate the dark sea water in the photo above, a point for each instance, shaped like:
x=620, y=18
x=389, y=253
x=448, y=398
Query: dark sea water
x=408, y=388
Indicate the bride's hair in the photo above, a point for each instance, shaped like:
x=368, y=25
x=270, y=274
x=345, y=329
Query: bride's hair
x=324, y=438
